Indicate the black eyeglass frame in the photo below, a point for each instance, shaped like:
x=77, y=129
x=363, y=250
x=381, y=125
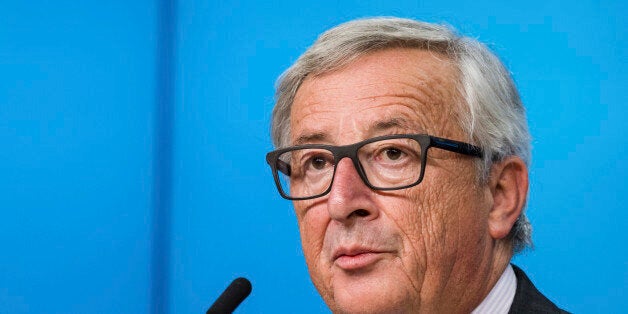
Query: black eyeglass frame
x=351, y=151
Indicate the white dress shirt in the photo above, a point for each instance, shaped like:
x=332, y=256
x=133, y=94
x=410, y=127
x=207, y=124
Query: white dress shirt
x=499, y=300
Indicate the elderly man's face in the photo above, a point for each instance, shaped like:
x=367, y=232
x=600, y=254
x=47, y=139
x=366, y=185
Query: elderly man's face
x=417, y=249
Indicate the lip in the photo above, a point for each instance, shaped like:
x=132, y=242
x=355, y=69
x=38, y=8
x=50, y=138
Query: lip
x=356, y=258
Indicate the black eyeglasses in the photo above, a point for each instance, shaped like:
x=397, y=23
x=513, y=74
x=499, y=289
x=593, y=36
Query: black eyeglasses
x=390, y=162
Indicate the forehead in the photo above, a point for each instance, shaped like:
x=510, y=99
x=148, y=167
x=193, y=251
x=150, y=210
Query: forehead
x=389, y=91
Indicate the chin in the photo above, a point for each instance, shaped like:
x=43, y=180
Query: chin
x=366, y=304
x=368, y=294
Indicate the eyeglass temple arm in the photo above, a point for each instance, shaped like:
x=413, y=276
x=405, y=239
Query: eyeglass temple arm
x=284, y=167
x=280, y=165
x=456, y=147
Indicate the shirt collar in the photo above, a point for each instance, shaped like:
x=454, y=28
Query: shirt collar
x=500, y=298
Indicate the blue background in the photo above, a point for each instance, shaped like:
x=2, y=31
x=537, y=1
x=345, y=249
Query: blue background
x=133, y=135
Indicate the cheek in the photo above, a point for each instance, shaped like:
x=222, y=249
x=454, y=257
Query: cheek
x=423, y=223
x=439, y=219
x=437, y=215
x=452, y=214
x=312, y=222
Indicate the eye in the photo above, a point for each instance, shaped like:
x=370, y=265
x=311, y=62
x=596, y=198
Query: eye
x=318, y=162
x=393, y=153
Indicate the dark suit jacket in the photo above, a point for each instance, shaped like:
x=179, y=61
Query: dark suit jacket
x=528, y=299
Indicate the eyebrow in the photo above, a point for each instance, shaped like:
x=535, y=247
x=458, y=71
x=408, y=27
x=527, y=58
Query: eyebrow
x=310, y=138
x=392, y=123
x=373, y=130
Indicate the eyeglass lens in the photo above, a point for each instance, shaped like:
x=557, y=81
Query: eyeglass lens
x=387, y=164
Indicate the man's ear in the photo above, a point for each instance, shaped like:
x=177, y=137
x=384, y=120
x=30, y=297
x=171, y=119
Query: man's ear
x=508, y=182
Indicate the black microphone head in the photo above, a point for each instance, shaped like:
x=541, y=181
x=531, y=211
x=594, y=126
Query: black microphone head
x=228, y=301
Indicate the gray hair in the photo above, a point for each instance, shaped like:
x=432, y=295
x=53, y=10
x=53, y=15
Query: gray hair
x=492, y=116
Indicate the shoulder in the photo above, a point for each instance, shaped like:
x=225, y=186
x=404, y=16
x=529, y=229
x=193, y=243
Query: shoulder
x=528, y=299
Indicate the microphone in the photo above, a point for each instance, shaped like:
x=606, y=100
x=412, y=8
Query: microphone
x=236, y=292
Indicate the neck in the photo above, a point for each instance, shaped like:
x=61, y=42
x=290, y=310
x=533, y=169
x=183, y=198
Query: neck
x=501, y=254
x=480, y=276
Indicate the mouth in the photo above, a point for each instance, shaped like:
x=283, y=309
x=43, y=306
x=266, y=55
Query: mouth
x=357, y=258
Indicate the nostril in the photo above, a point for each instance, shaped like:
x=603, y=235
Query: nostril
x=361, y=213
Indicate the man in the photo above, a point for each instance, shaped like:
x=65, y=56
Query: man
x=404, y=148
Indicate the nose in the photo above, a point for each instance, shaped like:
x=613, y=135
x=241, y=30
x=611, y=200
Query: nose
x=350, y=199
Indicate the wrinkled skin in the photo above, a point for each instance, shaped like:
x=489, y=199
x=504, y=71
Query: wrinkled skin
x=437, y=247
